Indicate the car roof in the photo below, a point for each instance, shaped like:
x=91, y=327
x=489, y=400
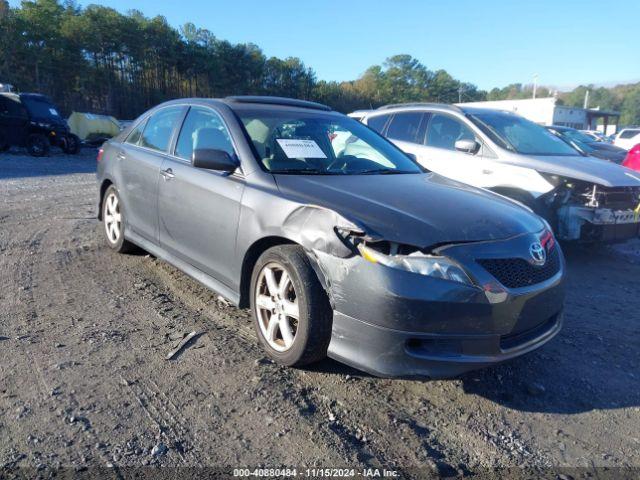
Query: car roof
x=239, y=102
x=401, y=107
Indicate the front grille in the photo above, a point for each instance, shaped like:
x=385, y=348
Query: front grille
x=517, y=272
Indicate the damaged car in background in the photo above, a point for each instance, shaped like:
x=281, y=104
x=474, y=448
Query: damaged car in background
x=583, y=198
x=350, y=250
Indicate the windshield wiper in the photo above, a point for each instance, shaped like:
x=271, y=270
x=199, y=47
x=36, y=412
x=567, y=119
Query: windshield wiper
x=305, y=171
x=382, y=171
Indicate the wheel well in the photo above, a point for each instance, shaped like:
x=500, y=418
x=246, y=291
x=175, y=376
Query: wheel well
x=250, y=259
x=103, y=188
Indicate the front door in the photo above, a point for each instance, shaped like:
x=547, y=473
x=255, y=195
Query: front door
x=438, y=152
x=199, y=209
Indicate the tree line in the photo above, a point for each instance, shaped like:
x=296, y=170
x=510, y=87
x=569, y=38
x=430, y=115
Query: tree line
x=99, y=60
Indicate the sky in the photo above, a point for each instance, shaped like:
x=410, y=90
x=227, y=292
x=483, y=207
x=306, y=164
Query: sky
x=489, y=43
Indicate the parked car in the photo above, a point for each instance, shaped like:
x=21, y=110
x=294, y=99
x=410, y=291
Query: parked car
x=584, y=199
x=627, y=138
x=366, y=257
x=596, y=135
x=31, y=120
x=632, y=159
x=587, y=146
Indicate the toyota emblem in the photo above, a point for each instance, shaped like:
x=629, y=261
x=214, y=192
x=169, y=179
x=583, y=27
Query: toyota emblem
x=538, y=254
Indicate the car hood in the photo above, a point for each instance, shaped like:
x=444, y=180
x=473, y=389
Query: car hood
x=422, y=210
x=587, y=169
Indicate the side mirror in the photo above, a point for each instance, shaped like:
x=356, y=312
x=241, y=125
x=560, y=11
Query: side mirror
x=412, y=156
x=467, y=146
x=211, y=159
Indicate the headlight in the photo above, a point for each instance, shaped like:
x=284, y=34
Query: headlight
x=432, y=266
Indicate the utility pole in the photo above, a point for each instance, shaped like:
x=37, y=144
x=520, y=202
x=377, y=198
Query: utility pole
x=535, y=84
x=460, y=91
x=586, y=99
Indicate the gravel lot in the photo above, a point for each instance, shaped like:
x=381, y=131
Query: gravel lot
x=84, y=383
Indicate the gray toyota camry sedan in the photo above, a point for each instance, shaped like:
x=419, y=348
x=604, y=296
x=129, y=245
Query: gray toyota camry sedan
x=339, y=242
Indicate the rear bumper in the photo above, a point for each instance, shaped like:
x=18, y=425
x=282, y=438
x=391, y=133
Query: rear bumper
x=393, y=353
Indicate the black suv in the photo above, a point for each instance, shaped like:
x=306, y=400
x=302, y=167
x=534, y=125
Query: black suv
x=31, y=120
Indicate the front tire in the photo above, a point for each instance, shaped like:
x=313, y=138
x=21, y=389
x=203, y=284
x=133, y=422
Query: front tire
x=291, y=310
x=113, y=221
x=38, y=145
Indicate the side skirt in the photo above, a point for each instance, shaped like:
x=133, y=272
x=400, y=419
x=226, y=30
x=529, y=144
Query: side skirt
x=198, y=275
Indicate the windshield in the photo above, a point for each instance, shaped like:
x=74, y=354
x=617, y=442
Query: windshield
x=321, y=144
x=576, y=136
x=575, y=141
x=39, y=108
x=520, y=135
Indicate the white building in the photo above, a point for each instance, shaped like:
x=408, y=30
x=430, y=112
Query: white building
x=547, y=111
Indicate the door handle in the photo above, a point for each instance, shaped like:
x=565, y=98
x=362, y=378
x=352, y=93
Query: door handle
x=167, y=174
x=487, y=172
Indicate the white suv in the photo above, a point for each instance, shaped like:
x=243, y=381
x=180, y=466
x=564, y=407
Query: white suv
x=627, y=138
x=583, y=198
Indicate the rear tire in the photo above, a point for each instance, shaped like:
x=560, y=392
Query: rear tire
x=113, y=221
x=72, y=145
x=291, y=290
x=38, y=145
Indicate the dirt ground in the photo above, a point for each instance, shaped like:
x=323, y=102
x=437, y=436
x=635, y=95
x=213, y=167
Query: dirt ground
x=84, y=382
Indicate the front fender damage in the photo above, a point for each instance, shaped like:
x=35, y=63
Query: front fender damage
x=327, y=238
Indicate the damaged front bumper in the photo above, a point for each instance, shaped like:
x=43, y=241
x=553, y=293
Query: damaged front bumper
x=395, y=323
x=583, y=223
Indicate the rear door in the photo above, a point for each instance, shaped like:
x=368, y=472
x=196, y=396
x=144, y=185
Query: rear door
x=140, y=159
x=199, y=209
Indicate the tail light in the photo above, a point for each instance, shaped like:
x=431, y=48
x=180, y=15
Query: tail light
x=100, y=153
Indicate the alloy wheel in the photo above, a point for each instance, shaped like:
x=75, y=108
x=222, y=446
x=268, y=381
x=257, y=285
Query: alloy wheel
x=277, y=307
x=112, y=218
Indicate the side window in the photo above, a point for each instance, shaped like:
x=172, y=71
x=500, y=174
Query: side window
x=378, y=122
x=203, y=128
x=405, y=126
x=157, y=133
x=445, y=131
x=629, y=133
x=136, y=133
